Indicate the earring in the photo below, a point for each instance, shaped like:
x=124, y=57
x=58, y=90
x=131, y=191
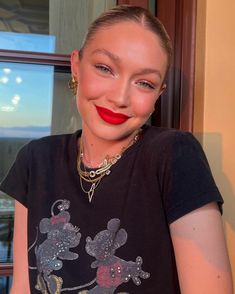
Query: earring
x=73, y=85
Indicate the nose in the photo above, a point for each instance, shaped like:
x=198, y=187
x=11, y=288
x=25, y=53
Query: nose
x=120, y=96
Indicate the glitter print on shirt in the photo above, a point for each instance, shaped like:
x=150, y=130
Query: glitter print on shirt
x=61, y=236
x=112, y=271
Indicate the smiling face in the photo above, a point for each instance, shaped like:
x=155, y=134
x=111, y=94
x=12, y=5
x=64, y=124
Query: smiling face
x=120, y=76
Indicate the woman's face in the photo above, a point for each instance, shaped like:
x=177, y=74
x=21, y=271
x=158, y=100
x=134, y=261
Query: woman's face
x=120, y=76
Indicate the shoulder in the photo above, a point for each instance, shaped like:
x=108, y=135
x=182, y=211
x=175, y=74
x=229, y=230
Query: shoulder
x=49, y=144
x=169, y=138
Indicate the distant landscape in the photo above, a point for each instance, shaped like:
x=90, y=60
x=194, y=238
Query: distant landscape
x=25, y=132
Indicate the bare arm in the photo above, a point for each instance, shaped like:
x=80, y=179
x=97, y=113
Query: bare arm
x=201, y=253
x=20, y=272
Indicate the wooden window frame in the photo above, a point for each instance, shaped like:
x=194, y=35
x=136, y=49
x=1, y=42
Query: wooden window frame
x=179, y=18
x=60, y=61
x=6, y=269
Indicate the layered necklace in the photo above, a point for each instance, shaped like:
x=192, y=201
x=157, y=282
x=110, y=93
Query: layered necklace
x=94, y=177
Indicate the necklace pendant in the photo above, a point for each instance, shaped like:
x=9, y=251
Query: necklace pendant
x=91, y=192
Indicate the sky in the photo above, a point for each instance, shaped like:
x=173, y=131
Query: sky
x=26, y=90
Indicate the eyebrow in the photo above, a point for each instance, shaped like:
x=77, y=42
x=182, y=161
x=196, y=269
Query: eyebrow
x=108, y=53
x=149, y=71
x=117, y=59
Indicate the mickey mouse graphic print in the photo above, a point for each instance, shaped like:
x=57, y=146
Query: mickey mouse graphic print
x=61, y=236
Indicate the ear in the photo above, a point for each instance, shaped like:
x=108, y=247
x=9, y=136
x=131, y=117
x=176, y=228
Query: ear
x=45, y=225
x=120, y=238
x=163, y=88
x=74, y=59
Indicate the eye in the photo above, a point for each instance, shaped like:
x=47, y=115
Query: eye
x=146, y=85
x=103, y=68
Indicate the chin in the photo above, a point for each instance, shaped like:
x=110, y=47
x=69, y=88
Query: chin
x=114, y=132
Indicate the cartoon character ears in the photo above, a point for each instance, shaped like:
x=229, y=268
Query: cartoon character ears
x=120, y=235
x=45, y=225
x=113, y=225
x=120, y=238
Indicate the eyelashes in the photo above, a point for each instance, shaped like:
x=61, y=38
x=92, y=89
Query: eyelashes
x=146, y=85
x=106, y=70
x=103, y=68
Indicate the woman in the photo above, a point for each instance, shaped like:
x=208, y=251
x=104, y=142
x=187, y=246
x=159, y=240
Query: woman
x=118, y=207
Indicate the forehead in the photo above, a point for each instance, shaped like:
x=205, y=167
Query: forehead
x=122, y=29
x=129, y=40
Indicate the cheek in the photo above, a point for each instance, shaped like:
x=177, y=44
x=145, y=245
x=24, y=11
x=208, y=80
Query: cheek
x=90, y=85
x=143, y=105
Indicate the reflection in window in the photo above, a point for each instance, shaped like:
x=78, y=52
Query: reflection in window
x=24, y=16
x=24, y=25
x=26, y=94
x=5, y=284
x=64, y=21
x=34, y=102
x=27, y=42
x=6, y=231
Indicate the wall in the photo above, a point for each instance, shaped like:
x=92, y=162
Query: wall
x=214, y=113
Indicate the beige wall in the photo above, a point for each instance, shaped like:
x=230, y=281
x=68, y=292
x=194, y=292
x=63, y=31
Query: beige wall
x=214, y=116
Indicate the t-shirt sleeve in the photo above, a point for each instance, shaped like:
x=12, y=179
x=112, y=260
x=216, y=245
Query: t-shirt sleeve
x=15, y=184
x=188, y=181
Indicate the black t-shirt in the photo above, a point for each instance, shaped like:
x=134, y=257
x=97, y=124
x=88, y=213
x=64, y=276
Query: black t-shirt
x=120, y=242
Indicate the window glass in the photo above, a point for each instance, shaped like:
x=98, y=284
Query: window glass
x=27, y=42
x=5, y=284
x=53, y=26
x=24, y=25
x=25, y=100
x=6, y=230
x=34, y=102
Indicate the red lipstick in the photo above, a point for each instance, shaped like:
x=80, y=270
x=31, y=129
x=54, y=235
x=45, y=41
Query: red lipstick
x=110, y=117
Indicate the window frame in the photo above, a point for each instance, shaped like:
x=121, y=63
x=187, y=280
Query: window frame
x=61, y=62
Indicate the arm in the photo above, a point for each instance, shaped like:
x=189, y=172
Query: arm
x=20, y=283
x=201, y=254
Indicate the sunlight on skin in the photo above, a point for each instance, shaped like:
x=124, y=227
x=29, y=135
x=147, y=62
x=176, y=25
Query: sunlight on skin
x=194, y=262
x=200, y=236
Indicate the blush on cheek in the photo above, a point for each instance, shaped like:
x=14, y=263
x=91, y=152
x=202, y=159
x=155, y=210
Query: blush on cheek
x=143, y=107
x=91, y=86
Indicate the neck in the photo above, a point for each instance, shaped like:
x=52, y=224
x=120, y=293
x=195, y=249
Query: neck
x=96, y=149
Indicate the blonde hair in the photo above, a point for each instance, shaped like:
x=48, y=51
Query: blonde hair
x=130, y=13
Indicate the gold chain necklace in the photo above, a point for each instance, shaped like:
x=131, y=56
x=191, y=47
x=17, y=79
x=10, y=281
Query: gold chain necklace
x=94, y=177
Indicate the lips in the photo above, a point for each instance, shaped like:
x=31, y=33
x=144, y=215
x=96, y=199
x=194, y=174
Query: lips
x=111, y=117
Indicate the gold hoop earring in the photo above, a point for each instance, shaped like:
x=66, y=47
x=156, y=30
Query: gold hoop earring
x=73, y=85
